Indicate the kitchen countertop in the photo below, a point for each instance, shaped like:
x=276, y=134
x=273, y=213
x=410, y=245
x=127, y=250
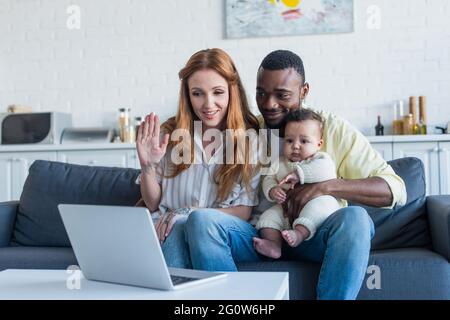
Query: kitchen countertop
x=412, y=138
x=128, y=146
x=66, y=147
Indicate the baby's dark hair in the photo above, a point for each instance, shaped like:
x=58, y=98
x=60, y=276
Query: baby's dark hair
x=302, y=114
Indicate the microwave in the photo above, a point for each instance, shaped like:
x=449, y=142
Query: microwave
x=36, y=127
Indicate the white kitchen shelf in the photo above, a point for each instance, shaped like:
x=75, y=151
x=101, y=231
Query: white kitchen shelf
x=411, y=138
x=66, y=147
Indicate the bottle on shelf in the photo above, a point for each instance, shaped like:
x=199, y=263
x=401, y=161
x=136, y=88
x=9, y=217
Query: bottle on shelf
x=379, y=128
x=397, y=124
x=124, y=124
x=422, y=115
x=413, y=111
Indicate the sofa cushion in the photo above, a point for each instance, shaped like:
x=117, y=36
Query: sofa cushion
x=48, y=184
x=409, y=273
x=405, y=226
x=412, y=171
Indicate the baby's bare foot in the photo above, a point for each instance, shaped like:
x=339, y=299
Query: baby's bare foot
x=292, y=237
x=267, y=248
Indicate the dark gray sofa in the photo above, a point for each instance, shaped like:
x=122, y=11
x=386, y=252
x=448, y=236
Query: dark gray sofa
x=411, y=246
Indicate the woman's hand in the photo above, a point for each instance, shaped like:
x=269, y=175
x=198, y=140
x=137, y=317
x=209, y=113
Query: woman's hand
x=150, y=150
x=165, y=225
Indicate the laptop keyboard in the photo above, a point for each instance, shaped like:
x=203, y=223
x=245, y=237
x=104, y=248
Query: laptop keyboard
x=179, y=280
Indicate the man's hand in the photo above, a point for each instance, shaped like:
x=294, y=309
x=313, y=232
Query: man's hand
x=298, y=197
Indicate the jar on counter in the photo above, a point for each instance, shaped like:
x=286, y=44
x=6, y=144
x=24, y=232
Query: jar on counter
x=124, y=121
x=397, y=124
x=408, y=124
x=129, y=134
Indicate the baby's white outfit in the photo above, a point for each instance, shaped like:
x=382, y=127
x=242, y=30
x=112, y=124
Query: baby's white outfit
x=318, y=168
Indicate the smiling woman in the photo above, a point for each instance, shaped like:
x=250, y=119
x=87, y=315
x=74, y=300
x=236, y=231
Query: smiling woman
x=193, y=198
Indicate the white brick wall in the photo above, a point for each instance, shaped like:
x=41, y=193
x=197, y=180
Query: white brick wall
x=129, y=52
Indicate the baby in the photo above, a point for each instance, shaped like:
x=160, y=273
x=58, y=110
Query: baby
x=302, y=162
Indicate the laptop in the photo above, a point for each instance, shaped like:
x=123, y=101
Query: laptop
x=119, y=245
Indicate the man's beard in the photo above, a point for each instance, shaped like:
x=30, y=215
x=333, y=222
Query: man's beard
x=279, y=125
x=276, y=125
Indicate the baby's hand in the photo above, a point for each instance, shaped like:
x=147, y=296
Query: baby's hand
x=278, y=194
x=291, y=179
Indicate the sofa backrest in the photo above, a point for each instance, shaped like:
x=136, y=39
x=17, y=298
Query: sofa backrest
x=48, y=184
x=405, y=226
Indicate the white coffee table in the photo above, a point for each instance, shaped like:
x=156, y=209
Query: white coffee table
x=59, y=284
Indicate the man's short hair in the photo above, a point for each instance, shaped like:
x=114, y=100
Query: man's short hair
x=302, y=114
x=284, y=59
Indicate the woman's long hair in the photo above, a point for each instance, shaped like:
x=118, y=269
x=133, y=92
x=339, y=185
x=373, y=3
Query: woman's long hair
x=238, y=117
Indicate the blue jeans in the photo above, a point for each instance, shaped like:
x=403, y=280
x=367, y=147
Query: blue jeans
x=211, y=240
x=342, y=244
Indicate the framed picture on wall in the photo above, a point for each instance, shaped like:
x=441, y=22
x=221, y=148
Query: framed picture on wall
x=264, y=18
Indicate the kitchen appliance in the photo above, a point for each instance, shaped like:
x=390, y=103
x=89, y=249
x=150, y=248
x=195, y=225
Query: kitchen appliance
x=87, y=135
x=445, y=130
x=36, y=127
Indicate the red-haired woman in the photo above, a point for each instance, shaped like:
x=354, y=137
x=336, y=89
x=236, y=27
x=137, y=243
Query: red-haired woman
x=204, y=200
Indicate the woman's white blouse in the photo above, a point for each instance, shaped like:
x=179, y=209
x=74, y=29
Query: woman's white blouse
x=195, y=187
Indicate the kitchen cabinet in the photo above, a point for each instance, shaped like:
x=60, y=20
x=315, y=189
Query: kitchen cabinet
x=6, y=177
x=14, y=171
x=385, y=149
x=428, y=152
x=14, y=165
x=444, y=167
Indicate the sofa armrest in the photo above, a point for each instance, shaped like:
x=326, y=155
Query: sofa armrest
x=8, y=211
x=438, y=208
